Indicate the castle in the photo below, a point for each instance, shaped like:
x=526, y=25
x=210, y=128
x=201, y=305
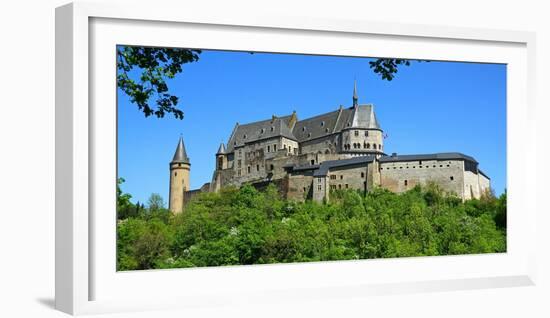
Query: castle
x=305, y=159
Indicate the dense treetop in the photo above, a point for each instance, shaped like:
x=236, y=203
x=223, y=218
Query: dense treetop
x=247, y=226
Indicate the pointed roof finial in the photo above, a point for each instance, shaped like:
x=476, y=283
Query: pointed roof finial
x=180, y=155
x=355, y=98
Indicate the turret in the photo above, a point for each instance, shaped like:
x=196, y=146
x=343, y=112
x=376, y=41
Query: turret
x=221, y=158
x=180, y=168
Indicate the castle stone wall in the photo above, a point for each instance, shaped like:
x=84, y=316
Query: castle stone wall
x=403, y=176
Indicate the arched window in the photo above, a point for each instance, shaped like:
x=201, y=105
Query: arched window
x=379, y=146
x=374, y=146
x=368, y=146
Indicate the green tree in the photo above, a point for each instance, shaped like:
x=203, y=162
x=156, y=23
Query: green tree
x=155, y=202
x=155, y=66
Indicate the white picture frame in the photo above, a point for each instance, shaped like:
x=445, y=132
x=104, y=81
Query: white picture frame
x=86, y=281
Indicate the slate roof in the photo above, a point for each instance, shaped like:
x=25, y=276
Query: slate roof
x=361, y=116
x=265, y=129
x=434, y=156
x=180, y=156
x=221, y=150
x=327, y=165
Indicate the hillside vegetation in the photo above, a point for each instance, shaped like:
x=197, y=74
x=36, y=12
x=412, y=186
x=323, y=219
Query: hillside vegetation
x=246, y=226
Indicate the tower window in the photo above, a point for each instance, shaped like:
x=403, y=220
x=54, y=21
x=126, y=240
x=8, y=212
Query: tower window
x=175, y=174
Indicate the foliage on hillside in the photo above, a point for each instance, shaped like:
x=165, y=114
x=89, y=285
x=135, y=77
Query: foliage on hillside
x=245, y=226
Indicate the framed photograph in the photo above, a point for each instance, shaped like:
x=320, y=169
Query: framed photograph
x=212, y=159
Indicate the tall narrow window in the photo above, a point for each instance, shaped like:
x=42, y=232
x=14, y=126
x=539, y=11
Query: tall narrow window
x=257, y=167
x=268, y=148
x=406, y=182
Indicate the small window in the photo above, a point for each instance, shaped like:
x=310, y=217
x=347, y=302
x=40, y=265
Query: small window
x=326, y=130
x=248, y=169
x=346, y=185
x=304, y=189
x=312, y=162
x=356, y=133
x=366, y=133
x=406, y=182
x=234, y=143
x=452, y=178
x=374, y=146
x=272, y=128
x=262, y=131
x=244, y=136
x=368, y=146
x=175, y=174
x=268, y=148
x=274, y=147
x=339, y=186
x=322, y=124
x=271, y=167
x=379, y=146
x=420, y=163
x=341, y=177
x=318, y=180
x=304, y=128
x=440, y=166
x=308, y=135
x=239, y=172
x=319, y=187
x=257, y=167
x=362, y=174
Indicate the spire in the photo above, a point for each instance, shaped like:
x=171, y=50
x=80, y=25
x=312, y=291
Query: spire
x=221, y=150
x=180, y=155
x=355, y=93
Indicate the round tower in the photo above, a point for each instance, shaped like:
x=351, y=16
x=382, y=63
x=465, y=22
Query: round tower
x=180, y=168
x=221, y=158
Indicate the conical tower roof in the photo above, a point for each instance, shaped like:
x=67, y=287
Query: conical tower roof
x=221, y=150
x=180, y=156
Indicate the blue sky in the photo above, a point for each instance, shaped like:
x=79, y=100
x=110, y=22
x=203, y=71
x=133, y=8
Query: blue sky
x=429, y=107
